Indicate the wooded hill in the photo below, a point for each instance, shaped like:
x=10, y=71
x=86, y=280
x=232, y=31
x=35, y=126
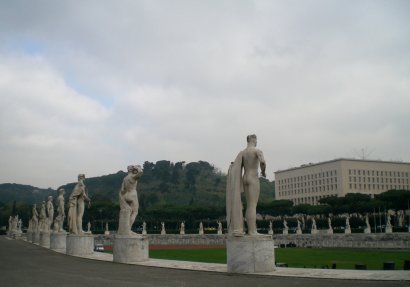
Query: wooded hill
x=174, y=185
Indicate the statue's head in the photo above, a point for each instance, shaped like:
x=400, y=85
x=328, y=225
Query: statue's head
x=81, y=176
x=130, y=168
x=61, y=191
x=137, y=169
x=251, y=138
x=50, y=197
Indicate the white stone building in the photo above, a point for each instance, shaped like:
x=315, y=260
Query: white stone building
x=311, y=182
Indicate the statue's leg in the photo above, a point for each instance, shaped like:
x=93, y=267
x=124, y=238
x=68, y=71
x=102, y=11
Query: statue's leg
x=134, y=206
x=80, y=213
x=252, y=195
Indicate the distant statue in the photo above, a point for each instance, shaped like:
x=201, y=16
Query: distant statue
x=388, y=221
x=298, y=223
x=314, y=227
x=270, y=228
x=201, y=229
x=248, y=161
x=89, y=227
x=10, y=223
x=43, y=218
x=106, y=226
x=34, y=218
x=163, y=232
x=76, y=206
x=219, y=227
x=14, y=224
x=129, y=200
x=400, y=218
x=330, y=229
x=367, y=229
x=144, y=228
x=19, y=226
x=182, y=228
x=59, y=220
x=50, y=212
x=347, y=222
x=303, y=223
x=285, y=224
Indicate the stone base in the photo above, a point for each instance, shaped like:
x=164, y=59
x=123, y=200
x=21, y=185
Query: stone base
x=80, y=244
x=348, y=231
x=313, y=231
x=36, y=238
x=284, y=232
x=219, y=232
x=367, y=230
x=58, y=241
x=389, y=229
x=250, y=254
x=45, y=239
x=298, y=231
x=29, y=236
x=128, y=249
x=270, y=232
x=330, y=231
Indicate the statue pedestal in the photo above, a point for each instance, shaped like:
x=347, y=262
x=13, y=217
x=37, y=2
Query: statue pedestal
x=348, y=231
x=284, y=231
x=58, y=241
x=36, y=237
x=313, y=231
x=299, y=231
x=80, y=244
x=330, y=231
x=389, y=229
x=130, y=248
x=45, y=239
x=367, y=230
x=250, y=254
x=29, y=236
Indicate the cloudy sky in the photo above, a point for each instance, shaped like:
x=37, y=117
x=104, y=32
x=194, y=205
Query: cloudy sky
x=93, y=86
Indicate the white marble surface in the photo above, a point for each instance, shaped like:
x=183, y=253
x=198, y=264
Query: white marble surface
x=250, y=254
x=45, y=239
x=79, y=244
x=128, y=249
x=58, y=241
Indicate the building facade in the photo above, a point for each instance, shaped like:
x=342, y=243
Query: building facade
x=310, y=182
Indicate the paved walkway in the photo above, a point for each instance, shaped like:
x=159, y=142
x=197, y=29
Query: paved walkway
x=26, y=264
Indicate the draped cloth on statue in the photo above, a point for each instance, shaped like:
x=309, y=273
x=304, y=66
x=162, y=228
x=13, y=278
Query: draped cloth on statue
x=234, y=189
x=72, y=216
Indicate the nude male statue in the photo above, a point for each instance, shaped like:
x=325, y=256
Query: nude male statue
x=50, y=212
x=35, y=218
x=248, y=161
x=59, y=221
x=76, y=206
x=128, y=199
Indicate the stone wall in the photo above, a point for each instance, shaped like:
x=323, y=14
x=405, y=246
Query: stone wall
x=172, y=239
x=354, y=240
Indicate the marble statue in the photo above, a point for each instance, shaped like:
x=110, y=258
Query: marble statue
x=330, y=229
x=59, y=220
x=50, y=212
x=400, y=218
x=10, y=223
x=219, y=227
x=129, y=200
x=367, y=229
x=76, y=206
x=347, y=222
x=89, y=227
x=43, y=218
x=201, y=229
x=34, y=218
x=314, y=227
x=270, y=228
x=19, y=226
x=298, y=229
x=163, y=232
x=182, y=228
x=144, y=228
x=388, y=221
x=247, y=161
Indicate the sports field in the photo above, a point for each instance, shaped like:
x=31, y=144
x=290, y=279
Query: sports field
x=299, y=257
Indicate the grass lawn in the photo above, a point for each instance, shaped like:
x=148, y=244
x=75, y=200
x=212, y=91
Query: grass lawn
x=298, y=257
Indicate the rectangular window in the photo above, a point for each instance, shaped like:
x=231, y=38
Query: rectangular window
x=350, y=186
x=359, y=171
